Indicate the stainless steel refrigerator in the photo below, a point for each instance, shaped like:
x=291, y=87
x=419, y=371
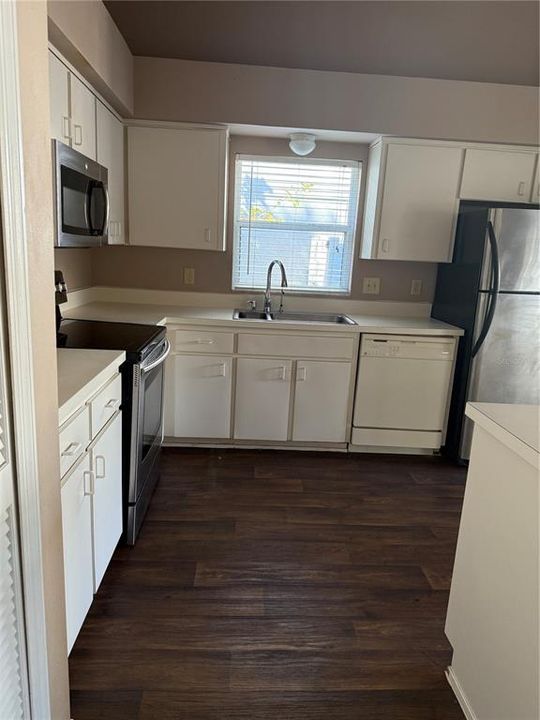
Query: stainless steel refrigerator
x=492, y=290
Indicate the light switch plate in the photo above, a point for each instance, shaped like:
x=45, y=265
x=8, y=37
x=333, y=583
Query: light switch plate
x=371, y=285
x=416, y=287
x=189, y=276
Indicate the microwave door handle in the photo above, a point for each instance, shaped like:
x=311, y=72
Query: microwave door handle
x=88, y=206
x=105, y=192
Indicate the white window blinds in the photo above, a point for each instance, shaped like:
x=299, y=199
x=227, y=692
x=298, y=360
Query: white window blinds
x=300, y=211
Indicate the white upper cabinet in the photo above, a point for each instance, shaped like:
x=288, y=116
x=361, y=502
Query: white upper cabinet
x=110, y=153
x=411, y=201
x=176, y=185
x=83, y=118
x=59, y=100
x=498, y=175
x=72, y=109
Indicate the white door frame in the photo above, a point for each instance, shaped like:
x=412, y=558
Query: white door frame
x=17, y=284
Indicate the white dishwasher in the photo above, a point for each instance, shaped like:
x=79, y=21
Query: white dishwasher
x=402, y=390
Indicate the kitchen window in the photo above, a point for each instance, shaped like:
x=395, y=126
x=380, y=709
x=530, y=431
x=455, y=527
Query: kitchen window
x=301, y=211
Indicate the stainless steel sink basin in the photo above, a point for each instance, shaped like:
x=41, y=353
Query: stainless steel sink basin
x=293, y=317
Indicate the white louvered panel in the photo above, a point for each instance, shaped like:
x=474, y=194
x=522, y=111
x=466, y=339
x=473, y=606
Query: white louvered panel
x=11, y=680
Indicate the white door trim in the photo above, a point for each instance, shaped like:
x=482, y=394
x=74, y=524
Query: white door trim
x=19, y=330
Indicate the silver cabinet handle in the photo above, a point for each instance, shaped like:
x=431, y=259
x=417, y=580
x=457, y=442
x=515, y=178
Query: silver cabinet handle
x=301, y=374
x=80, y=135
x=223, y=370
x=521, y=188
x=282, y=372
x=100, y=460
x=385, y=245
x=112, y=404
x=89, y=489
x=66, y=127
x=72, y=449
x=207, y=235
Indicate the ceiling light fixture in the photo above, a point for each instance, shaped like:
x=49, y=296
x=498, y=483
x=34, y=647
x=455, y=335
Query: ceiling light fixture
x=302, y=143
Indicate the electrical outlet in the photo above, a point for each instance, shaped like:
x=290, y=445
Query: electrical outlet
x=416, y=287
x=371, y=286
x=189, y=276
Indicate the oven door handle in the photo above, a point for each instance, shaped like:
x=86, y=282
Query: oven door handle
x=159, y=360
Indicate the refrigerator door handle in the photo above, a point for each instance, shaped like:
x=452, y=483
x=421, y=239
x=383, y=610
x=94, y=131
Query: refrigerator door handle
x=493, y=291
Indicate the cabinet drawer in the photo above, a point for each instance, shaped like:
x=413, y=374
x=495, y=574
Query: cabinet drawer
x=295, y=346
x=105, y=404
x=74, y=439
x=207, y=341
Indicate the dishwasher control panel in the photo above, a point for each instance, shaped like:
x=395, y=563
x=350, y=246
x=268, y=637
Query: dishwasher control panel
x=392, y=346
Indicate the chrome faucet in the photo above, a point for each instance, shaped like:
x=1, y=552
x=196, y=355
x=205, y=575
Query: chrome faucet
x=267, y=308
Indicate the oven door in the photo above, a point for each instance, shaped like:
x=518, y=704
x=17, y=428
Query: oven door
x=147, y=420
x=82, y=202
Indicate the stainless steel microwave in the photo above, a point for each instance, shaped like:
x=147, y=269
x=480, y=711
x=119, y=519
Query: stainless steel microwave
x=82, y=199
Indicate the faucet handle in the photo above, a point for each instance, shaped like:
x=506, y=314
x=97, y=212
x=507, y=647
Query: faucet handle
x=251, y=304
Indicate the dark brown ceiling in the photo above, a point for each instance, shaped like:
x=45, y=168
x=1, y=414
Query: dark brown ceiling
x=484, y=41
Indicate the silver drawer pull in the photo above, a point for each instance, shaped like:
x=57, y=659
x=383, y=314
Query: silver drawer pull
x=72, y=449
x=112, y=404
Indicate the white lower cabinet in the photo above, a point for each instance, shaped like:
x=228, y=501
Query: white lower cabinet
x=321, y=401
x=106, y=457
x=202, y=386
x=76, y=496
x=263, y=388
x=91, y=496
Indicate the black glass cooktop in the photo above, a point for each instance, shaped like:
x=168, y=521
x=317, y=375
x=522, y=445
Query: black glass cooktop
x=99, y=335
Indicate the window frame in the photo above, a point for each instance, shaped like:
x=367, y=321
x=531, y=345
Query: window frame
x=354, y=206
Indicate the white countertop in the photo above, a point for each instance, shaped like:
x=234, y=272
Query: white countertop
x=517, y=426
x=171, y=314
x=77, y=369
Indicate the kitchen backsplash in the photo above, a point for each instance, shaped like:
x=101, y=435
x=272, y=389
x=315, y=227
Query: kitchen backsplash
x=162, y=269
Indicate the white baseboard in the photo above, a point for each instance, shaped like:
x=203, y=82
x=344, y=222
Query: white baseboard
x=460, y=695
x=232, y=300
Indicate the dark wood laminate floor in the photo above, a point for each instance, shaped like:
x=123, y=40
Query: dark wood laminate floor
x=297, y=586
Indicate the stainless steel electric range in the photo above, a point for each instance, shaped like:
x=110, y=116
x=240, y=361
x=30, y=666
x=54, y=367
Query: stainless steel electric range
x=146, y=348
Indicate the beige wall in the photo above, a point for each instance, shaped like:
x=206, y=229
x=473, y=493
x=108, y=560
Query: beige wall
x=85, y=33
x=415, y=107
x=34, y=83
x=76, y=264
x=162, y=268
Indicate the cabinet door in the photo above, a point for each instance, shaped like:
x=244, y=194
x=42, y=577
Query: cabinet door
x=321, y=401
x=107, y=498
x=77, y=538
x=202, y=396
x=110, y=153
x=263, y=390
x=83, y=118
x=419, y=202
x=497, y=175
x=59, y=99
x=176, y=185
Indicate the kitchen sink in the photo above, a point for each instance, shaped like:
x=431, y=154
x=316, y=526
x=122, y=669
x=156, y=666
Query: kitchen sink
x=286, y=316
